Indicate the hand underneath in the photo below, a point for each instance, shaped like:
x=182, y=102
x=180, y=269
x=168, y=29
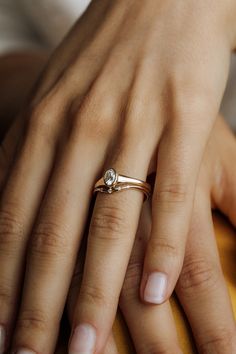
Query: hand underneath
x=201, y=288
x=135, y=86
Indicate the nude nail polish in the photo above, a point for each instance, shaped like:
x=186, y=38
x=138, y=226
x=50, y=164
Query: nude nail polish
x=156, y=286
x=2, y=339
x=25, y=351
x=83, y=340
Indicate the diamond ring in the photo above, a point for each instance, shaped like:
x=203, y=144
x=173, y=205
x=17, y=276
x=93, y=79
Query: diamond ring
x=113, y=182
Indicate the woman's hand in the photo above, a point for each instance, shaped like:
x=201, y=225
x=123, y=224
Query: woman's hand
x=135, y=86
x=201, y=288
x=141, y=319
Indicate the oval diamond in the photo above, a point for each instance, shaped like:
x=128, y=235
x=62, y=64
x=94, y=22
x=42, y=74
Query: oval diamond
x=109, y=177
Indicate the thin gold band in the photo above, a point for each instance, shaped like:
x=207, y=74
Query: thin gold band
x=113, y=182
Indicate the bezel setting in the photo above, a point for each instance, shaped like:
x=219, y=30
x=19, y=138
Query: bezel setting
x=110, y=177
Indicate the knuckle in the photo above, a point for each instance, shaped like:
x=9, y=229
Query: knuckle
x=138, y=123
x=223, y=342
x=33, y=320
x=11, y=230
x=41, y=120
x=136, y=136
x=171, y=194
x=95, y=117
x=95, y=296
x=50, y=239
x=198, y=274
x=196, y=103
x=200, y=98
x=163, y=246
x=109, y=223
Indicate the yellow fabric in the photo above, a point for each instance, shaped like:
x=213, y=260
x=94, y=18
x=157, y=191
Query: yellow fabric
x=226, y=239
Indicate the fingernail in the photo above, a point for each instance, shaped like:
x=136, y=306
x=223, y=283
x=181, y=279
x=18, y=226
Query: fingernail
x=83, y=340
x=155, y=289
x=2, y=339
x=25, y=351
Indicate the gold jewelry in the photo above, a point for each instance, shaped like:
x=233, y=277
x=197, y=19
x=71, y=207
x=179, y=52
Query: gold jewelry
x=113, y=182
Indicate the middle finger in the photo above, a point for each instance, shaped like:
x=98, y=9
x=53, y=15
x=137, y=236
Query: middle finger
x=54, y=244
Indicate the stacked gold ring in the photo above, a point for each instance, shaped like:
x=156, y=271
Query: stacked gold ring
x=113, y=182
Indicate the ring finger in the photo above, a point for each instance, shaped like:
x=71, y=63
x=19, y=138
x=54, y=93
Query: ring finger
x=112, y=231
x=75, y=285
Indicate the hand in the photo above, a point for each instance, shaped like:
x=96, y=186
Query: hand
x=201, y=288
x=198, y=273
x=135, y=83
x=142, y=320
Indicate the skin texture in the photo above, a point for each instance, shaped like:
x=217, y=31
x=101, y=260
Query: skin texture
x=129, y=80
x=201, y=288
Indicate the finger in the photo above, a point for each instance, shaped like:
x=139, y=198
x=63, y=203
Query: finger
x=110, y=347
x=179, y=157
x=54, y=245
x=201, y=287
x=19, y=203
x=7, y=151
x=111, y=235
x=152, y=328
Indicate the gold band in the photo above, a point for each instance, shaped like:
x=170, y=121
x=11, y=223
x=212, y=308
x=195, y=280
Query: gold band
x=113, y=182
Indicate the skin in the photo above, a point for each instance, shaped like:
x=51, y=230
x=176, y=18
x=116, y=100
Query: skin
x=201, y=288
x=129, y=80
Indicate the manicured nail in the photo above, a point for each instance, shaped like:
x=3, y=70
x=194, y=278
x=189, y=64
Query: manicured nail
x=2, y=339
x=83, y=340
x=25, y=351
x=155, y=289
